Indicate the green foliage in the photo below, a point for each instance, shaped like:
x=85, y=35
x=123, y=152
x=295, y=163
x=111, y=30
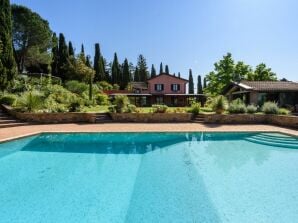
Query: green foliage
x=153, y=71
x=51, y=105
x=8, y=99
x=190, y=83
x=102, y=99
x=262, y=73
x=121, y=102
x=99, y=65
x=161, y=69
x=270, y=108
x=142, y=68
x=31, y=38
x=237, y=107
x=200, y=87
x=63, y=60
x=219, y=104
x=30, y=101
x=195, y=108
x=160, y=108
x=76, y=87
x=167, y=71
x=116, y=72
x=283, y=111
x=103, y=85
x=8, y=69
x=131, y=108
x=251, y=109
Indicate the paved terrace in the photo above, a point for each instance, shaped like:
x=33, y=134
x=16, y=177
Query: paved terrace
x=22, y=131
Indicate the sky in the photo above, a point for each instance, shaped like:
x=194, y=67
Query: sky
x=185, y=34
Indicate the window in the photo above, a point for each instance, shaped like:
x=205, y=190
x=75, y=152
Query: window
x=159, y=100
x=158, y=87
x=175, y=87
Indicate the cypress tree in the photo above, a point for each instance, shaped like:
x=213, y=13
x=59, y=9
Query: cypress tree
x=88, y=63
x=179, y=76
x=153, y=71
x=8, y=69
x=82, y=49
x=200, y=88
x=70, y=49
x=116, y=78
x=161, y=69
x=63, y=56
x=205, y=82
x=167, y=71
x=55, y=55
x=98, y=64
x=125, y=74
x=190, y=83
x=143, y=70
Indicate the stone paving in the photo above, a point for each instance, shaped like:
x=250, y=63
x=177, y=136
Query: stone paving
x=22, y=131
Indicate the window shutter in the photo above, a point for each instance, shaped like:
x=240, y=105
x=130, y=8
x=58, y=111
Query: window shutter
x=172, y=87
x=162, y=87
x=155, y=87
x=178, y=87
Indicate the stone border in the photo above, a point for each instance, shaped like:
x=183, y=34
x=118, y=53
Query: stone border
x=152, y=117
x=280, y=120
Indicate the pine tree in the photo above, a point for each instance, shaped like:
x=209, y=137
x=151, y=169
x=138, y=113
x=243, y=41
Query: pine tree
x=136, y=77
x=63, y=57
x=143, y=69
x=8, y=69
x=55, y=55
x=116, y=78
x=70, y=49
x=200, y=88
x=125, y=74
x=190, y=83
x=161, y=69
x=153, y=71
x=167, y=71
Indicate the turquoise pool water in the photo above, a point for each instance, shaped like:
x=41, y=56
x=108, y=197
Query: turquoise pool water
x=150, y=177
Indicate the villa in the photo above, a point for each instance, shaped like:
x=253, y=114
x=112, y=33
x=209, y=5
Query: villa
x=163, y=89
x=285, y=93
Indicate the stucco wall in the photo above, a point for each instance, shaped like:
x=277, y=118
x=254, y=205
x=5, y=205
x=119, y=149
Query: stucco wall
x=167, y=80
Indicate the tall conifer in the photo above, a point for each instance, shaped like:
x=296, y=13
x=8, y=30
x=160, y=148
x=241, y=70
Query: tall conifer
x=190, y=83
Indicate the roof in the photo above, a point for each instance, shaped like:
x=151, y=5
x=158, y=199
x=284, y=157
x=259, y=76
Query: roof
x=139, y=85
x=268, y=86
x=179, y=78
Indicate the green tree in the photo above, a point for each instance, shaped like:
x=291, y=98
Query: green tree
x=136, y=74
x=153, y=71
x=263, y=73
x=88, y=63
x=8, y=68
x=179, y=75
x=55, y=55
x=241, y=71
x=143, y=69
x=98, y=64
x=31, y=33
x=200, y=88
x=161, y=69
x=63, y=57
x=205, y=83
x=70, y=49
x=125, y=75
x=167, y=71
x=116, y=74
x=190, y=83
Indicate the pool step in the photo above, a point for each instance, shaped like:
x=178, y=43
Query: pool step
x=198, y=118
x=291, y=144
x=103, y=118
x=6, y=121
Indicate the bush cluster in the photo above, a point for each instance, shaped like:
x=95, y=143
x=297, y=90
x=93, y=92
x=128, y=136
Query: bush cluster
x=219, y=104
x=159, y=108
x=237, y=106
x=195, y=108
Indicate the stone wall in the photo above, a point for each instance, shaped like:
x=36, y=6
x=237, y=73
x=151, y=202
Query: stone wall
x=69, y=117
x=152, y=117
x=280, y=120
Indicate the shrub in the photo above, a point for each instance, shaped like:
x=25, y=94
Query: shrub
x=121, y=102
x=283, y=111
x=102, y=99
x=30, y=101
x=237, y=107
x=8, y=99
x=159, y=108
x=219, y=104
x=103, y=85
x=52, y=106
x=270, y=108
x=195, y=108
x=131, y=108
x=251, y=109
x=76, y=87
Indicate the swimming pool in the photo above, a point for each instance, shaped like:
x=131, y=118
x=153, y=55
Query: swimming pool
x=150, y=177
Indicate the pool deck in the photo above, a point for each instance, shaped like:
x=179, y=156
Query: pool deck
x=7, y=134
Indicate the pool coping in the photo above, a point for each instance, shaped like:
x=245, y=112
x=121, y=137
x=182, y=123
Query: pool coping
x=282, y=131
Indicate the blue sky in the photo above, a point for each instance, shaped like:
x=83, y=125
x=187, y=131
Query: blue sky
x=181, y=33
